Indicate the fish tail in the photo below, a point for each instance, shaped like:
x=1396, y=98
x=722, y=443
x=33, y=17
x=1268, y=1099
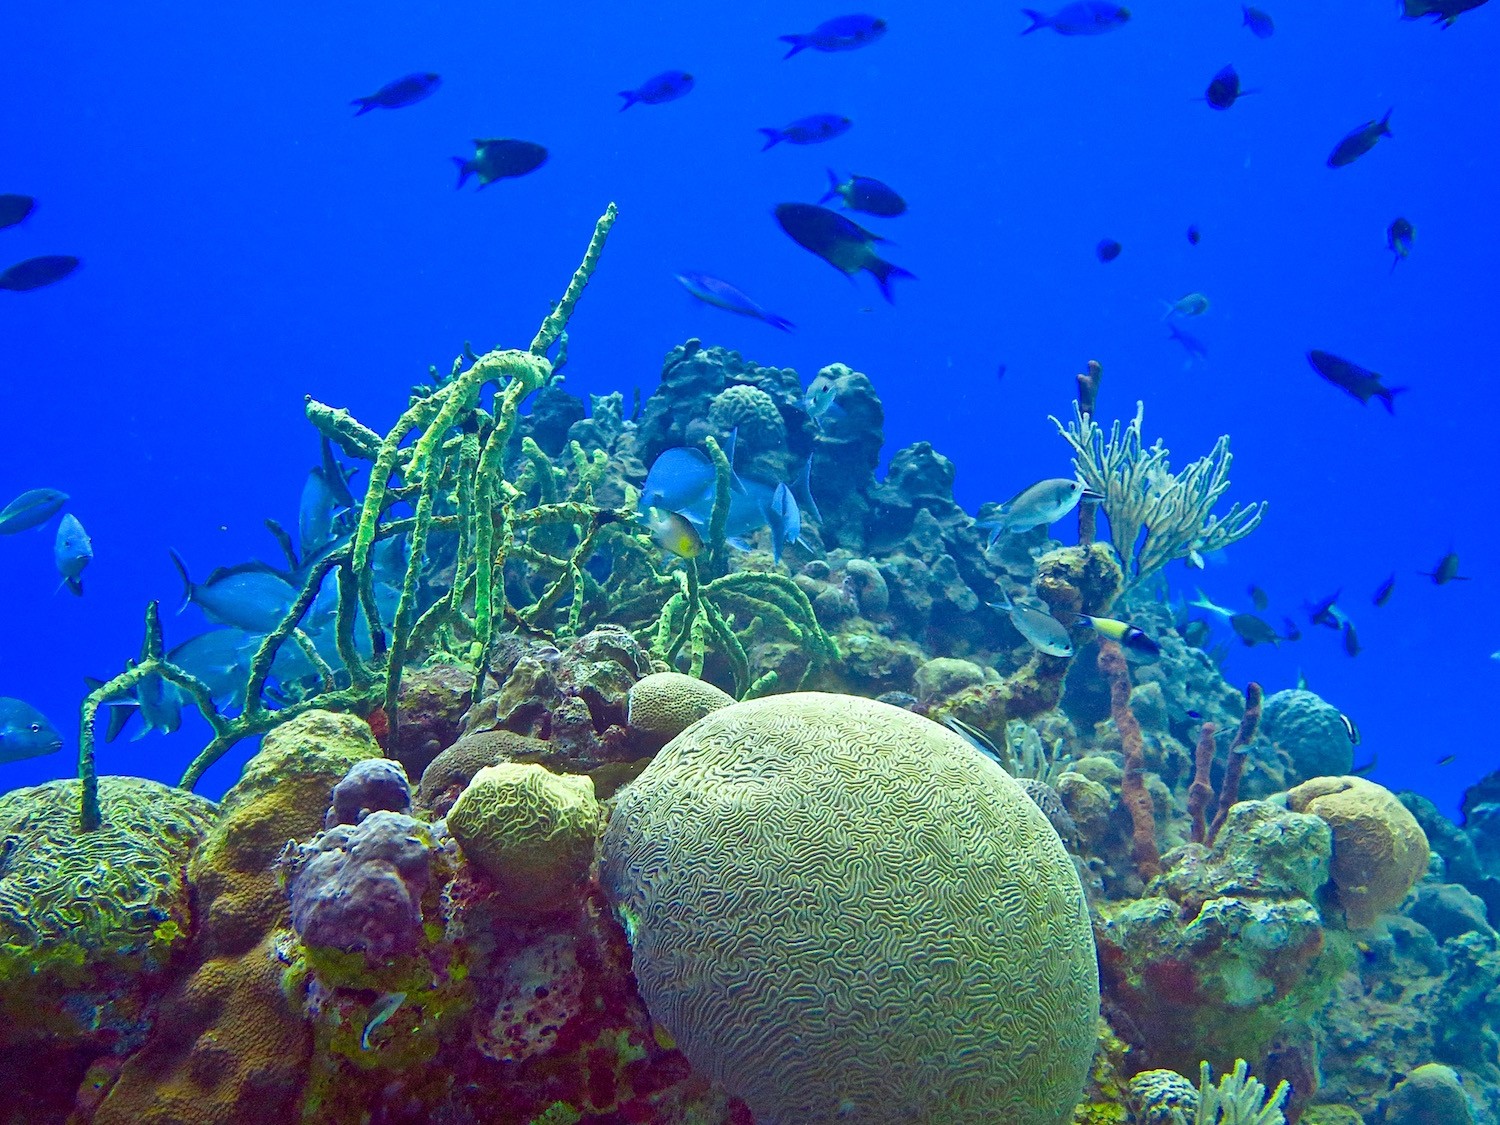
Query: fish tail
x=187, y=583
x=798, y=42
x=780, y=322
x=773, y=137
x=365, y=105
x=884, y=271
x=75, y=586
x=1038, y=19
x=1385, y=123
x=465, y=170
x=1387, y=396
x=630, y=99
x=833, y=187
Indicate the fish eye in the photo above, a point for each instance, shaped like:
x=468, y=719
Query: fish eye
x=36, y=728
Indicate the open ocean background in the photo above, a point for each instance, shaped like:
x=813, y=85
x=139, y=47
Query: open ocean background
x=246, y=242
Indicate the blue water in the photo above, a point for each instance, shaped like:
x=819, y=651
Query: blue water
x=246, y=241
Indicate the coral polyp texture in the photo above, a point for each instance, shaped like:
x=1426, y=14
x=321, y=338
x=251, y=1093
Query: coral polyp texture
x=842, y=911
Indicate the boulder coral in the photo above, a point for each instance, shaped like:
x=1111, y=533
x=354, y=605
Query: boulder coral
x=1379, y=849
x=531, y=831
x=839, y=911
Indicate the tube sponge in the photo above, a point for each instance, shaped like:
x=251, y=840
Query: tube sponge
x=530, y=830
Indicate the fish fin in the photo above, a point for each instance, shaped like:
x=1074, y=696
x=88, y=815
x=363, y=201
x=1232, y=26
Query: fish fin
x=1038, y=20
x=187, y=583
x=465, y=170
x=802, y=491
x=283, y=540
x=780, y=322
x=1385, y=123
x=884, y=271
x=75, y=585
x=630, y=99
x=773, y=136
x=119, y=715
x=798, y=42
x=365, y=105
x=833, y=187
x=1387, y=396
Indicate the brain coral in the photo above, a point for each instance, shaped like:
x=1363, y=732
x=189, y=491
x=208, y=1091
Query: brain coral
x=664, y=704
x=1379, y=849
x=842, y=912
x=529, y=829
x=750, y=411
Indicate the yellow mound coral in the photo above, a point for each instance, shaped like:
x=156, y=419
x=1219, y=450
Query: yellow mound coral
x=235, y=1049
x=1379, y=849
x=530, y=830
x=841, y=910
x=664, y=704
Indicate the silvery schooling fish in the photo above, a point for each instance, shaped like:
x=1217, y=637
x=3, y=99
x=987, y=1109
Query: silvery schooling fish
x=34, y=273
x=1042, y=631
x=845, y=246
x=72, y=551
x=14, y=209
x=402, y=92
x=842, y=33
x=1398, y=239
x=1259, y=23
x=31, y=509
x=248, y=596
x=1353, y=379
x=1441, y=11
x=500, y=160
x=667, y=86
x=1090, y=17
x=1038, y=505
x=808, y=130
x=25, y=732
x=1360, y=141
x=861, y=193
x=722, y=295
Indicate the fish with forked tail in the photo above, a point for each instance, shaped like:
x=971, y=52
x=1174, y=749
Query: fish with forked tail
x=844, y=245
x=501, y=159
x=1087, y=17
x=1360, y=141
x=1354, y=379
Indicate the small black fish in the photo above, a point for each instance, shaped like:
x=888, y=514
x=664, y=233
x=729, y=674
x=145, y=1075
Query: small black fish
x=811, y=130
x=1359, y=141
x=1192, y=234
x=1258, y=22
x=402, y=92
x=861, y=193
x=1398, y=239
x=499, y=160
x=1446, y=570
x=1108, y=250
x=665, y=87
x=34, y=273
x=1252, y=630
x=1383, y=591
x=1258, y=596
x=1441, y=11
x=1224, y=89
x=1354, y=379
x=1292, y=632
x=1351, y=639
x=1447, y=759
x=1325, y=612
x=15, y=208
x=1195, y=348
x=842, y=33
x=844, y=245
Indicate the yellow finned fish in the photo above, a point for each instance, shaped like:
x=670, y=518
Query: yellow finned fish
x=675, y=533
x=1127, y=635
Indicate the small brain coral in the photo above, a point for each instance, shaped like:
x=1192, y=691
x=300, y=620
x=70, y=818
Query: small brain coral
x=840, y=912
x=530, y=830
x=664, y=704
x=750, y=411
x=1379, y=849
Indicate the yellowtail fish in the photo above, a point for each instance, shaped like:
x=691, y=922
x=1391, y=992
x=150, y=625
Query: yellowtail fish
x=1126, y=634
x=675, y=533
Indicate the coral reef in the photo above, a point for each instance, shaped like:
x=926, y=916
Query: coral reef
x=664, y=704
x=749, y=950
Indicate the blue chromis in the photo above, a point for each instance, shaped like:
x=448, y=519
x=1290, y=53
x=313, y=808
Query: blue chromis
x=1260, y=23
x=35, y=273
x=1359, y=141
x=1126, y=634
x=1089, y=17
x=1353, y=379
x=500, y=159
x=842, y=33
x=31, y=509
x=1399, y=237
x=844, y=245
x=72, y=551
x=667, y=86
x=809, y=130
x=404, y=91
x=861, y=193
x=14, y=209
x=722, y=295
x=25, y=732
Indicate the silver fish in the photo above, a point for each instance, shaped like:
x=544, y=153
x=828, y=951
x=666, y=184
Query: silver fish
x=71, y=551
x=1041, y=630
x=820, y=398
x=1041, y=504
x=1194, y=304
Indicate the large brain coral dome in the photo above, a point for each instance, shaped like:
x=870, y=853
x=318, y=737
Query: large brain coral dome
x=844, y=913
